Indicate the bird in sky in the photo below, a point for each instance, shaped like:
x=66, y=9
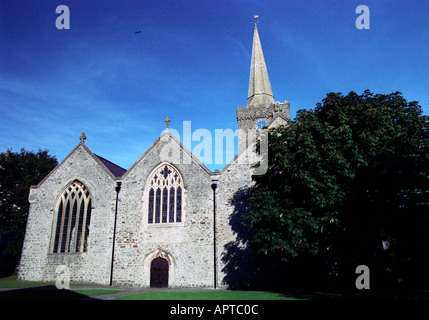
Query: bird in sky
x=137, y=32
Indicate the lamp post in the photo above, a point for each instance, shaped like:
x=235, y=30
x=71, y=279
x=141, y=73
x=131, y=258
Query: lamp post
x=214, y=186
x=117, y=189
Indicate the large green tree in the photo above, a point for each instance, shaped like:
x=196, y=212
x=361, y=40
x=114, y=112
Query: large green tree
x=347, y=181
x=19, y=171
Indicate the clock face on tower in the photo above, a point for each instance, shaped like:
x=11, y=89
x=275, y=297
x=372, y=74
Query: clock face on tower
x=260, y=123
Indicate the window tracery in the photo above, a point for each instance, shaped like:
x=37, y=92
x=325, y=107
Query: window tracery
x=72, y=220
x=165, y=196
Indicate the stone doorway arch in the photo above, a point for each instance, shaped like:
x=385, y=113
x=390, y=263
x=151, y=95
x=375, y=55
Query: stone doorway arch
x=159, y=273
x=170, y=266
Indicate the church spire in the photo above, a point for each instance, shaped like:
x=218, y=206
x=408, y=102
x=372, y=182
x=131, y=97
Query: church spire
x=260, y=91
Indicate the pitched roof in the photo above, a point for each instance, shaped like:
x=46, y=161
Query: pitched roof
x=113, y=168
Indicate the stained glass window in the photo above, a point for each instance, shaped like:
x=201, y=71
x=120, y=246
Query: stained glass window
x=179, y=205
x=157, y=205
x=72, y=220
x=166, y=205
x=150, y=213
x=172, y=205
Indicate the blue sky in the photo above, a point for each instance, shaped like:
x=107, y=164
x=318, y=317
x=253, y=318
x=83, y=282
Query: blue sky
x=191, y=63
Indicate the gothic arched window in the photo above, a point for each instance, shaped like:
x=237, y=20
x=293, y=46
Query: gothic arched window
x=165, y=195
x=72, y=220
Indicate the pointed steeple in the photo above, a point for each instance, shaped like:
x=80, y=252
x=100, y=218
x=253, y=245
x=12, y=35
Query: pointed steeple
x=260, y=91
x=261, y=109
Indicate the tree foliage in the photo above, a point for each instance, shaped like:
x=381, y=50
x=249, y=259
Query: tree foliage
x=18, y=172
x=344, y=178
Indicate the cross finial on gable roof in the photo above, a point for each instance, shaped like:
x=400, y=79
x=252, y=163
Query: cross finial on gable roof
x=167, y=120
x=82, y=138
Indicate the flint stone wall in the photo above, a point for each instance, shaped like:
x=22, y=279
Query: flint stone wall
x=188, y=246
x=93, y=266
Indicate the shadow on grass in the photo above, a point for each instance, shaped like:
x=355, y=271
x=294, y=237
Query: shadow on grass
x=378, y=295
x=42, y=293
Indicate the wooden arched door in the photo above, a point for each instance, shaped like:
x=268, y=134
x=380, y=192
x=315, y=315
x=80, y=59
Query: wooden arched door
x=159, y=273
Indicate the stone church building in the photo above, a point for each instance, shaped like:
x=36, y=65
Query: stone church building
x=165, y=222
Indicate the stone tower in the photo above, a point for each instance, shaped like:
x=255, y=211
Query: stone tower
x=261, y=110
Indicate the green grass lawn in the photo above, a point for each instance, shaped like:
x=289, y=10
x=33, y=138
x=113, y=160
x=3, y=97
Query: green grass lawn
x=208, y=295
x=42, y=290
x=96, y=292
x=12, y=282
